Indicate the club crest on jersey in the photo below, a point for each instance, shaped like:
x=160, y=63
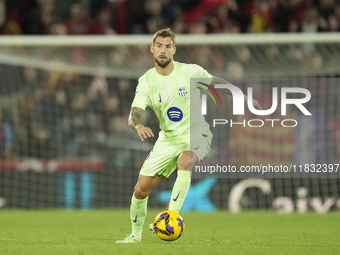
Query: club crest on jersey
x=175, y=114
x=182, y=91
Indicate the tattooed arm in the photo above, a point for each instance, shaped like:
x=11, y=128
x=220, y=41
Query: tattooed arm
x=217, y=80
x=134, y=123
x=134, y=118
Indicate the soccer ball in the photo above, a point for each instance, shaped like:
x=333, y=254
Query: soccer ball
x=168, y=225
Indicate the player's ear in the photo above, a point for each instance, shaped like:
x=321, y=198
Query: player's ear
x=151, y=48
x=174, y=51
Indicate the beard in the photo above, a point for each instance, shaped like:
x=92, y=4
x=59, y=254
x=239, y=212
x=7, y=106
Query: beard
x=164, y=64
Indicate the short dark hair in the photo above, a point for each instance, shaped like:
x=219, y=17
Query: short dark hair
x=164, y=33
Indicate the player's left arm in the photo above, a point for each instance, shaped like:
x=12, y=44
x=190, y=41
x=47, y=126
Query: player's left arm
x=217, y=80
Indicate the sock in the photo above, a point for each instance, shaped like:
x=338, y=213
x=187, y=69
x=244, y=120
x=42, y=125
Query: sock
x=138, y=210
x=180, y=190
x=139, y=237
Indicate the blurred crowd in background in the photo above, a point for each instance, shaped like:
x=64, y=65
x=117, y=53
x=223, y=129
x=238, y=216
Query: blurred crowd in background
x=51, y=115
x=88, y=17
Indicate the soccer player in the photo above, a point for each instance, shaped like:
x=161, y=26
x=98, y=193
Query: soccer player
x=166, y=89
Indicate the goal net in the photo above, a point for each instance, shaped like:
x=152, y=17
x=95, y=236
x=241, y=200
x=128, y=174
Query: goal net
x=64, y=103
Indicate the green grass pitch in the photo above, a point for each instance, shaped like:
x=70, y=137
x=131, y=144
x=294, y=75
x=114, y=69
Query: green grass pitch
x=49, y=232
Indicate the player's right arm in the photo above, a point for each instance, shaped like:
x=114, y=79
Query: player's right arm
x=134, y=123
x=140, y=102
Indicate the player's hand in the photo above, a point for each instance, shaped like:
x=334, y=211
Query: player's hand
x=143, y=132
x=255, y=103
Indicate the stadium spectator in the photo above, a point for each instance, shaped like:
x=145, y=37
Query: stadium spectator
x=98, y=87
x=6, y=137
x=40, y=143
x=330, y=19
x=44, y=23
x=58, y=29
x=22, y=12
x=243, y=56
x=78, y=125
x=310, y=22
x=7, y=25
x=158, y=15
x=240, y=13
x=118, y=57
x=139, y=56
x=80, y=24
x=325, y=9
x=179, y=26
x=6, y=73
x=315, y=62
x=234, y=70
x=96, y=94
x=45, y=119
x=31, y=94
x=334, y=25
x=124, y=90
x=206, y=57
x=286, y=12
x=42, y=16
x=198, y=28
x=110, y=111
x=120, y=133
x=105, y=21
x=123, y=17
x=262, y=17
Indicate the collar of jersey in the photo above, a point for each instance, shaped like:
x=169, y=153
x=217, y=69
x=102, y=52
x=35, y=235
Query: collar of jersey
x=170, y=75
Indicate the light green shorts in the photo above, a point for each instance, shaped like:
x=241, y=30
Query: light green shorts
x=163, y=159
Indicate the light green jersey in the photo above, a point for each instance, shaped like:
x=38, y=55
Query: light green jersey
x=176, y=103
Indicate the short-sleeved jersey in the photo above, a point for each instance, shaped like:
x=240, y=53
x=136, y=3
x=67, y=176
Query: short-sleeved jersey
x=176, y=104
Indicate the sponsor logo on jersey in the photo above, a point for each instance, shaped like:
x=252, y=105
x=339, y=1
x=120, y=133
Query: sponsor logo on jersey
x=160, y=99
x=175, y=114
x=196, y=148
x=182, y=91
x=135, y=219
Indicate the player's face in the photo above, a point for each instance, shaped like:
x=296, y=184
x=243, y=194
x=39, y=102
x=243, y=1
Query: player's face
x=163, y=51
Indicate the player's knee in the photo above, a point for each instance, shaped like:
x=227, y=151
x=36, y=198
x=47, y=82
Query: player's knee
x=141, y=193
x=184, y=163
